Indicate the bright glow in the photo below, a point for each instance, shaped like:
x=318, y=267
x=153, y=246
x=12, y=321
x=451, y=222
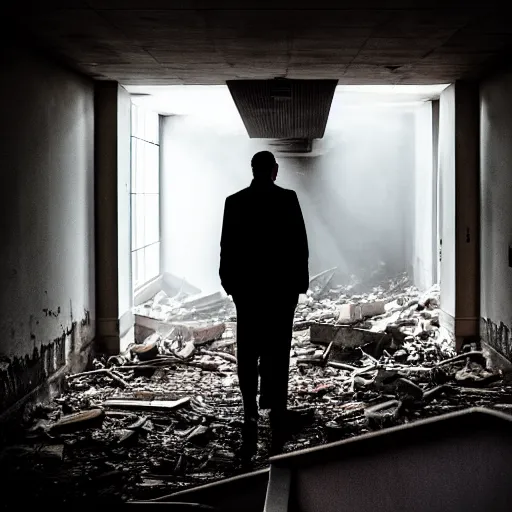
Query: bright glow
x=214, y=104
x=211, y=103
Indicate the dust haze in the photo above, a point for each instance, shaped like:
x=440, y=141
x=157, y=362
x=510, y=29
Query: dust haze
x=357, y=195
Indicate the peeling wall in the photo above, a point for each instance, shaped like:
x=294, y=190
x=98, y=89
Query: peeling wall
x=46, y=222
x=496, y=212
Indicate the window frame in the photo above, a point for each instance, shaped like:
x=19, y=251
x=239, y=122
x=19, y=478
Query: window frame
x=145, y=135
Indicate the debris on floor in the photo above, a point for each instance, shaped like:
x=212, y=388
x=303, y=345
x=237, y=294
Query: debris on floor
x=166, y=414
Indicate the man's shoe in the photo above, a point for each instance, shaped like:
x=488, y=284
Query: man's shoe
x=284, y=423
x=279, y=425
x=249, y=439
x=277, y=443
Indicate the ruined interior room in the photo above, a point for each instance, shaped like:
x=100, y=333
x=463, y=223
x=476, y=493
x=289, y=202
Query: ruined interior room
x=130, y=123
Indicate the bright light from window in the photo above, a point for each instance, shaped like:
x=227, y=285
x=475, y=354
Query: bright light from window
x=215, y=104
x=208, y=102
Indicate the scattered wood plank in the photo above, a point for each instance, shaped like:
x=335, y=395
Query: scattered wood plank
x=102, y=371
x=223, y=355
x=146, y=404
x=78, y=421
x=474, y=355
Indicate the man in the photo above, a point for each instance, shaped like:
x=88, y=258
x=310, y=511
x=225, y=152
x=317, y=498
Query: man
x=264, y=267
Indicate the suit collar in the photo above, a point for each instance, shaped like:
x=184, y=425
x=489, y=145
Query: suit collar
x=262, y=184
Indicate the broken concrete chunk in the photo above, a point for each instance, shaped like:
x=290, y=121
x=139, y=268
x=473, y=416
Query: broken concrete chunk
x=207, y=333
x=79, y=420
x=161, y=298
x=203, y=301
x=147, y=351
x=474, y=374
x=187, y=351
x=371, y=309
x=343, y=336
x=348, y=314
x=152, y=338
x=351, y=313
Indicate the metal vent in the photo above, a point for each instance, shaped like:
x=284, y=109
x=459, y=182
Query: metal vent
x=283, y=109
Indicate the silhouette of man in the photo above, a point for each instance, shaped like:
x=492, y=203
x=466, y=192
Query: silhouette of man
x=264, y=267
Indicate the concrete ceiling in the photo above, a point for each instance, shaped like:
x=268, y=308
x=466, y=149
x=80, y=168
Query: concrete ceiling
x=209, y=42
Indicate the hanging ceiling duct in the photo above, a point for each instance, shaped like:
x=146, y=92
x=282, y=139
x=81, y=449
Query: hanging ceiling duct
x=291, y=147
x=282, y=108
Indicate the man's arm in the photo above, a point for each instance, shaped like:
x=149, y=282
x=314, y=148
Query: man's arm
x=301, y=244
x=226, y=248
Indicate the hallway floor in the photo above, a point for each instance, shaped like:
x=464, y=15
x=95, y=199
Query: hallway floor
x=168, y=425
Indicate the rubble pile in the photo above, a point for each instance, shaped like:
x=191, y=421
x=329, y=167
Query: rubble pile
x=181, y=307
x=166, y=414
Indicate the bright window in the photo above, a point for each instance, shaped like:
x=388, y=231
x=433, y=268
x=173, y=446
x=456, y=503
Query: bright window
x=145, y=196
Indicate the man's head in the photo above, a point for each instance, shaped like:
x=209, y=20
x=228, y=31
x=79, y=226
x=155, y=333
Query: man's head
x=264, y=166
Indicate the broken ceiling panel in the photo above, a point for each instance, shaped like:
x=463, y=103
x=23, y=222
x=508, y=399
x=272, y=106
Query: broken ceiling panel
x=282, y=108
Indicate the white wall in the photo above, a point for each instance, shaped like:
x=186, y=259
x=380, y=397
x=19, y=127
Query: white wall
x=198, y=171
x=424, y=197
x=47, y=221
x=447, y=198
x=124, y=205
x=496, y=210
x=356, y=198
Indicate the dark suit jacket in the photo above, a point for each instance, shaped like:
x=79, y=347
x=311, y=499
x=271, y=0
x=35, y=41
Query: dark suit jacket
x=264, y=244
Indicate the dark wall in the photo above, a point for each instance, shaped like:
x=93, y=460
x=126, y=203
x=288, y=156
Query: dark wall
x=46, y=216
x=496, y=211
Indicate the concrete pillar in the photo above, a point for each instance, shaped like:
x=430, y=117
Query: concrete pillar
x=112, y=215
x=459, y=209
x=467, y=211
x=436, y=271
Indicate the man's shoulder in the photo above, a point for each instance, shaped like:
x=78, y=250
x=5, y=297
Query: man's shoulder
x=238, y=196
x=286, y=192
x=243, y=194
